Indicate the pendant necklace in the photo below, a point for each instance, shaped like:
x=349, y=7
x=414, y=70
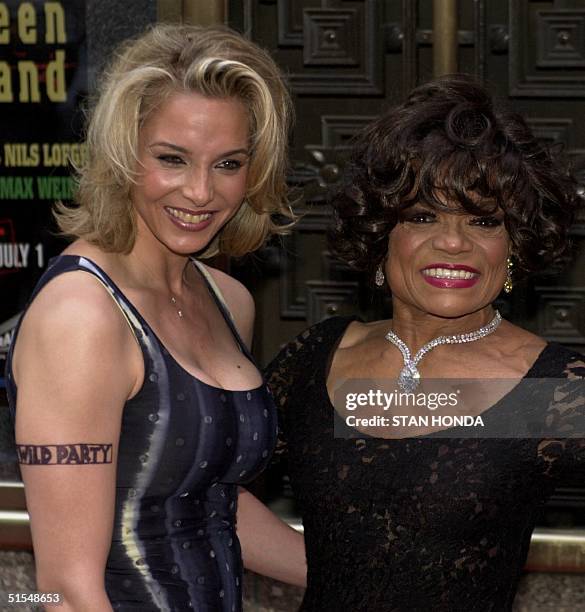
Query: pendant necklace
x=174, y=300
x=174, y=303
x=409, y=378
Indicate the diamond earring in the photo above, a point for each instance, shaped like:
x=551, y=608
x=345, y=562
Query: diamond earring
x=379, y=278
x=508, y=284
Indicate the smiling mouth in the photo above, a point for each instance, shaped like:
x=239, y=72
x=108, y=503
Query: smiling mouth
x=188, y=217
x=450, y=274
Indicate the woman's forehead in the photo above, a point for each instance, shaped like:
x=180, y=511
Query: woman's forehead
x=449, y=201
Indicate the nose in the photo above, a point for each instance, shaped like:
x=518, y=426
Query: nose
x=198, y=187
x=452, y=237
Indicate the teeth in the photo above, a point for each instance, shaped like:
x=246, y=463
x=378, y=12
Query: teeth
x=447, y=273
x=187, y=217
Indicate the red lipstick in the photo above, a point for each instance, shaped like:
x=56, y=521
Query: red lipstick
x=451, y=283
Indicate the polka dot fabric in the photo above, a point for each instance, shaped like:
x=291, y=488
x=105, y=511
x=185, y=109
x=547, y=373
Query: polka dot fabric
x=184, y=448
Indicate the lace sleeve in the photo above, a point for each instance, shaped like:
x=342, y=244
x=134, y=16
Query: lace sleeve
x=280, y=375
x=566, y=414
x=289, y=373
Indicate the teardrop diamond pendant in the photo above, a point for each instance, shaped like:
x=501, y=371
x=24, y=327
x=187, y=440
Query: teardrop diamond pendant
x=409, y=377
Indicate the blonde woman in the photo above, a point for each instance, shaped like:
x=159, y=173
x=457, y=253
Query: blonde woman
x=137, y=404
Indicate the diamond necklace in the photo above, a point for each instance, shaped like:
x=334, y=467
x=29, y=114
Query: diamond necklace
x=410, y=376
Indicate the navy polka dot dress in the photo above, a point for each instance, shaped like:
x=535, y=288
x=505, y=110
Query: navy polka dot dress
x=184, y=448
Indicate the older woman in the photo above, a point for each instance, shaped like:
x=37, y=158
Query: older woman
x=449, y=198
x=139, y=409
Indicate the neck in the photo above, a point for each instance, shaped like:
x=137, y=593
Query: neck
x=150, y=264
x=417, y=328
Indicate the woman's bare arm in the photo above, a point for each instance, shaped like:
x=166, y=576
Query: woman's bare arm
x=75, y=366
x=269, y=546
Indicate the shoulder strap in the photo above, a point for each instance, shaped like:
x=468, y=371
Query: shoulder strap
x=219, y=299
x=212, y=286
x=69, y=263
x=133, y=318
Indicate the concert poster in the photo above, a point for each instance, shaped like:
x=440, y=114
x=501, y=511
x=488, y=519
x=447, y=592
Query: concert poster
x=43, y=87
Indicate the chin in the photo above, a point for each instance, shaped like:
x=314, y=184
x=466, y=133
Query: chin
x=453, y=310
x=193, y=250
x=188, y=246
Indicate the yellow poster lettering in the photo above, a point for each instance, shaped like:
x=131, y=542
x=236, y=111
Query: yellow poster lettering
x=55, y=23
x=63, y=154
x=55, y=77
x=29, y=82
x=6, y=94
x=28, y=74
x=4, y=21
x=31, y=74
x=27, y=23
x=21, y=154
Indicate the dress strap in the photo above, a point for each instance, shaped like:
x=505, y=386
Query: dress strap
x=212, y=286
x=217, y=295
x=70, y=263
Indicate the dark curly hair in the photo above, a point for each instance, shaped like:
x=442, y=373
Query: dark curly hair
x=451, y=142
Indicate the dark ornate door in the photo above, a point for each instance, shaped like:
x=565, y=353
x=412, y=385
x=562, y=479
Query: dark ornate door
x=348, y=59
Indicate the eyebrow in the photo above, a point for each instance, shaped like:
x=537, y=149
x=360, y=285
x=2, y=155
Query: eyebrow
x=180, y=149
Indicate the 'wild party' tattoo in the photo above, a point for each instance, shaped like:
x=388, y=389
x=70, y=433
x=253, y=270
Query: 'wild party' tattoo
x=64, y=454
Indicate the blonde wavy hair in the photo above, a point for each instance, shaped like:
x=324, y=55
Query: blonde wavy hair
x=215, y=62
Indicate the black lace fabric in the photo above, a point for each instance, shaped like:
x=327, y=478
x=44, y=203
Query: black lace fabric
x=420, y=523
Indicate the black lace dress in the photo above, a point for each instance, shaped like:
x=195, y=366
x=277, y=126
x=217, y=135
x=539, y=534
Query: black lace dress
x=419, y=523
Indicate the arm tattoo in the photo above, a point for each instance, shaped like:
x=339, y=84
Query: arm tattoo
x=64, y=454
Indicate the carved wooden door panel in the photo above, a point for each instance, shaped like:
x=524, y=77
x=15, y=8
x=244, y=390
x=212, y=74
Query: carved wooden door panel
x=348, y=59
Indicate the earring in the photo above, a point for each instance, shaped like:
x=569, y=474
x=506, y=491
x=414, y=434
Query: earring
x=379, y=278
x=508, y=284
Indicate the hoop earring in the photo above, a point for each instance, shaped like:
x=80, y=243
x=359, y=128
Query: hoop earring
x=379, y=278
x=508, y=284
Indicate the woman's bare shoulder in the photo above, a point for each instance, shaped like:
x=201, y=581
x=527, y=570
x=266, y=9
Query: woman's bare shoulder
x=232, y=289
x=73, y=315
x=83, y=248
x=360, y=332
x=512, y=340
